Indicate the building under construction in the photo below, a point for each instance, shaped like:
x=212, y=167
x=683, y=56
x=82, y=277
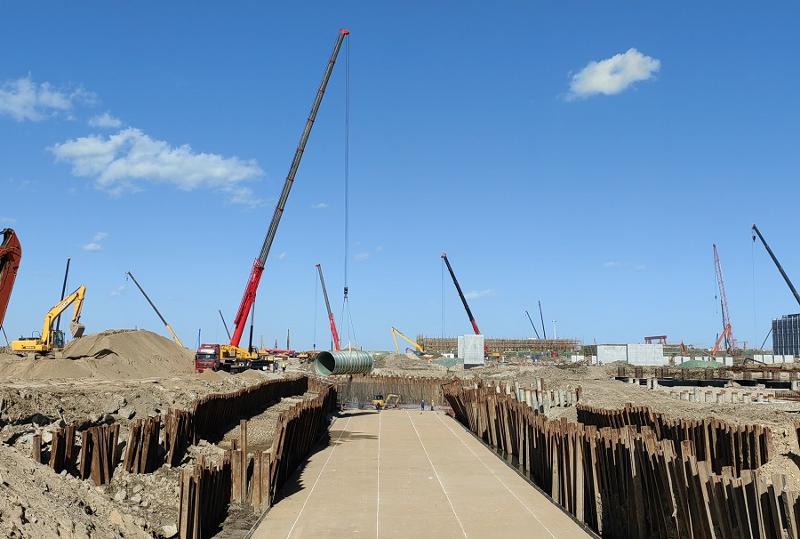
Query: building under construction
x=449, y=345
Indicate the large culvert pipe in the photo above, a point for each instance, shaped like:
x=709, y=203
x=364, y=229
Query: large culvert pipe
x=344, y=362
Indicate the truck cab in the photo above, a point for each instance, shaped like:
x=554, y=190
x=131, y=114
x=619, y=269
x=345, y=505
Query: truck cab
x=207, y=357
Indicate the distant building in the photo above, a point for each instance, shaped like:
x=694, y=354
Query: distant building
x=786, y=335
x=450, y=345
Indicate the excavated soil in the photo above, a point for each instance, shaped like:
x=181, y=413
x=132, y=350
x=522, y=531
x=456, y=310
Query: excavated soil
x=111, y=355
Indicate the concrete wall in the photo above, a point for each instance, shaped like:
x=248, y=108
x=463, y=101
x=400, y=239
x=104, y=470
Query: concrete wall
x=473, y=350
x=646, y=354
x=606, y=353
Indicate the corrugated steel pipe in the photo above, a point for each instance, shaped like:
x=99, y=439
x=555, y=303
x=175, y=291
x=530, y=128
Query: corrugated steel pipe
x=344, y=362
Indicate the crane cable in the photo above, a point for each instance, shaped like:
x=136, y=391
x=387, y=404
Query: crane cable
x=755, y=316
x=347, y=317
x=316, y=300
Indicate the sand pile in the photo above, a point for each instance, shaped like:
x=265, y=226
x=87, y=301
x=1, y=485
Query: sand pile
x=114, y=355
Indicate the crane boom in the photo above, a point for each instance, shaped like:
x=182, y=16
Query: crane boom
x=777, y=264
x=10, y=257
x=532, y=324
x=727, y=328
x=153, y=305
x=461, y=295
x=331, y=319
x=249, y=295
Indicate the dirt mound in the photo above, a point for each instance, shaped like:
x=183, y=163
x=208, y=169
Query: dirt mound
x=114, y=355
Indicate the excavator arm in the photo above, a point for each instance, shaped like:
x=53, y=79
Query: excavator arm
x=76, y=328
x=10, y=257
x=397, y=333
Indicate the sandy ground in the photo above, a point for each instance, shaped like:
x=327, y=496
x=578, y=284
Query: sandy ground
x=410, y=474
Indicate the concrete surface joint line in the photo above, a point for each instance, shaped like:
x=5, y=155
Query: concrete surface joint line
x=436, y=473
x=311, y=492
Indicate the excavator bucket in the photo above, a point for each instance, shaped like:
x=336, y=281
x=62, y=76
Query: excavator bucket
x=77, y=329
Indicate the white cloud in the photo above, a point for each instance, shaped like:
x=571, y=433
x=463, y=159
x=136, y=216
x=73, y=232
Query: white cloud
x=282, y=255
x=612, y=75
x=96, y=244
x=319, y=206
x=23, y=99
x=360, y=257
x=639, y=267
x=7, y=220
x=612, y=264
x=123, y=161
x=475, y=294
x=119, y=290
x=105, y=120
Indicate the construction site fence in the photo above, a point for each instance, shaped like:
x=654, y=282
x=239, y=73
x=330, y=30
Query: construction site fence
x=253, y=478
x=361, y=389
x=623, y=481
x=719, y=443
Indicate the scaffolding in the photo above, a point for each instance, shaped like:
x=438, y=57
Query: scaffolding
x=449, y=345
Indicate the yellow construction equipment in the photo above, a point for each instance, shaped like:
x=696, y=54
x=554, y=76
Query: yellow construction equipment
x=378, y=402
x=50, y=338
x=416, y=346
x=392, y=401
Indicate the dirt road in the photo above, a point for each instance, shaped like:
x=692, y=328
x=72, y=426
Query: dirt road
x=408, y=473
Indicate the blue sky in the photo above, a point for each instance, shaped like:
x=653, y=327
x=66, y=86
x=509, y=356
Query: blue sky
x=478, y=128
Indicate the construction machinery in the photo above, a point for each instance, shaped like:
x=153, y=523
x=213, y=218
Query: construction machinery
x=153, y=305
x=378, y=402
x=532, y=324
x=10, y=258
x=415, y=346
x=334, y=332
x=232, y=352
x=757, y=232
x=50, y=338
x=726, y=335
x=461, y=295
x=392, y=401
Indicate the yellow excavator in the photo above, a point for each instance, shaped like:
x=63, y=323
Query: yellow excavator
x=418, y=350
x=53, y=339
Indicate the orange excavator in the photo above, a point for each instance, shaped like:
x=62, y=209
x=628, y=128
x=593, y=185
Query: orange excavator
x=10, y=257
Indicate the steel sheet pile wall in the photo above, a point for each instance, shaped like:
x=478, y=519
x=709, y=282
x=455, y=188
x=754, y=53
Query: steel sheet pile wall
x=97, y=458
x=254, y=479
x=299, y=429
x=363, y=388
x=211, y=416
x=204, y=497
x=142, y=455
x=720, y=444
x=626, y=482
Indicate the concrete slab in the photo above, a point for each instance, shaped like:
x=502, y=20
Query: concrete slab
x=402, y=473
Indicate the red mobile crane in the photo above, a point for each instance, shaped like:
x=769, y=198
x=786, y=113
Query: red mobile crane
x=727, y=329
x=461, y=295
x=10, y=257
x=331, y=319
x=233, y=351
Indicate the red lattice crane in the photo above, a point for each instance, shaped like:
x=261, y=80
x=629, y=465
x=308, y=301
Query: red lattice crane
x=726, y=336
